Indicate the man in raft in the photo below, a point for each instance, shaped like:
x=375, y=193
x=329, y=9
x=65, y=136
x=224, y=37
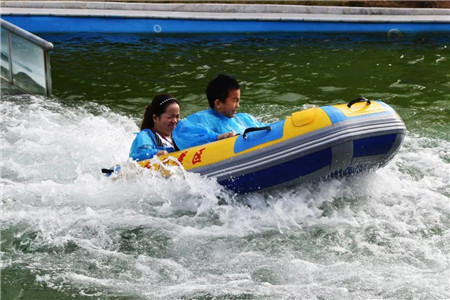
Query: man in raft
x=218, y=122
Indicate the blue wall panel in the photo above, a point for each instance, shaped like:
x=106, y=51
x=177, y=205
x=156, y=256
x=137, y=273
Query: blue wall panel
x=53, y=24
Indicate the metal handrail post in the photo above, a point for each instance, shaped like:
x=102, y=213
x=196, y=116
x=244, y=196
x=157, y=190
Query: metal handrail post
x=44, y=45
x=48, y=74
x=11, y=76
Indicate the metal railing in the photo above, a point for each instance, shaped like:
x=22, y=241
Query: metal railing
x=25, y=60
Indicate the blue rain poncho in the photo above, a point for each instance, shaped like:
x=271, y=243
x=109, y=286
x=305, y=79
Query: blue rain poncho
x=206, y=125
x=145, y=146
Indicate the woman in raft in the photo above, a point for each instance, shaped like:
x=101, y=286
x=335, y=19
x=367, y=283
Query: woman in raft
x=155, y=138
x=160, y=119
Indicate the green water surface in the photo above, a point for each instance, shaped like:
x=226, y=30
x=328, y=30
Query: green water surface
x=279, y=73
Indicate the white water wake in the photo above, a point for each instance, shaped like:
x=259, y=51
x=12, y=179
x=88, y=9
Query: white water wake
x=378, y=235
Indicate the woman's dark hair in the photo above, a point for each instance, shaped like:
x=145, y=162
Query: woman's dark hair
x=157, y=107
x=219, y=87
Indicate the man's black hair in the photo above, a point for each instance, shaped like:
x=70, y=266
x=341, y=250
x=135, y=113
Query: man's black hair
x=219, y=87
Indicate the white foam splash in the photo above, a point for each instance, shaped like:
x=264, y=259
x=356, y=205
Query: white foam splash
x=149, y=236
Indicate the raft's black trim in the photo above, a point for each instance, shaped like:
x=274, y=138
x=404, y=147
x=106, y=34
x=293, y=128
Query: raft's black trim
x=251, y=129
x=360, y=99
x=107, y=171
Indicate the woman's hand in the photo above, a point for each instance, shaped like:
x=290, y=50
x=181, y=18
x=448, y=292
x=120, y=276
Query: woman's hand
x=161, y=152
x=226, y=135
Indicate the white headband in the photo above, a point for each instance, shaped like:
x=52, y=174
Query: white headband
x=168, y=99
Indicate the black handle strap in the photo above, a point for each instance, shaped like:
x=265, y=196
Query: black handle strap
x=361, y=99
x=268, y=128
x=107, y=171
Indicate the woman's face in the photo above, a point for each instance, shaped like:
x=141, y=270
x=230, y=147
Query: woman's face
x=167, y=121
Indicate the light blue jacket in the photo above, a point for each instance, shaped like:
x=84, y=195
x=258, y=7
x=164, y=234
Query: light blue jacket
x=145, y=146
x=205, y=126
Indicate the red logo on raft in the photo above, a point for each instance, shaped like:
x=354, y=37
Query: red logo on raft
x=181, y=157
x=197, y=157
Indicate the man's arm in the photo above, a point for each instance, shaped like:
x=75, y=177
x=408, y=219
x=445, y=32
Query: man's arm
x=188, y=134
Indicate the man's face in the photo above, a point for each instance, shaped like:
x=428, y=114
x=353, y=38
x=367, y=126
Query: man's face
x=231, y=104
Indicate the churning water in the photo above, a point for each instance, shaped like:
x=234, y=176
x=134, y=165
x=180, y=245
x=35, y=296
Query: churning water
x=68, y=232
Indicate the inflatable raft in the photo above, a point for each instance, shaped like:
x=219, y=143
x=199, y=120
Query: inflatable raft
x=311, y=144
